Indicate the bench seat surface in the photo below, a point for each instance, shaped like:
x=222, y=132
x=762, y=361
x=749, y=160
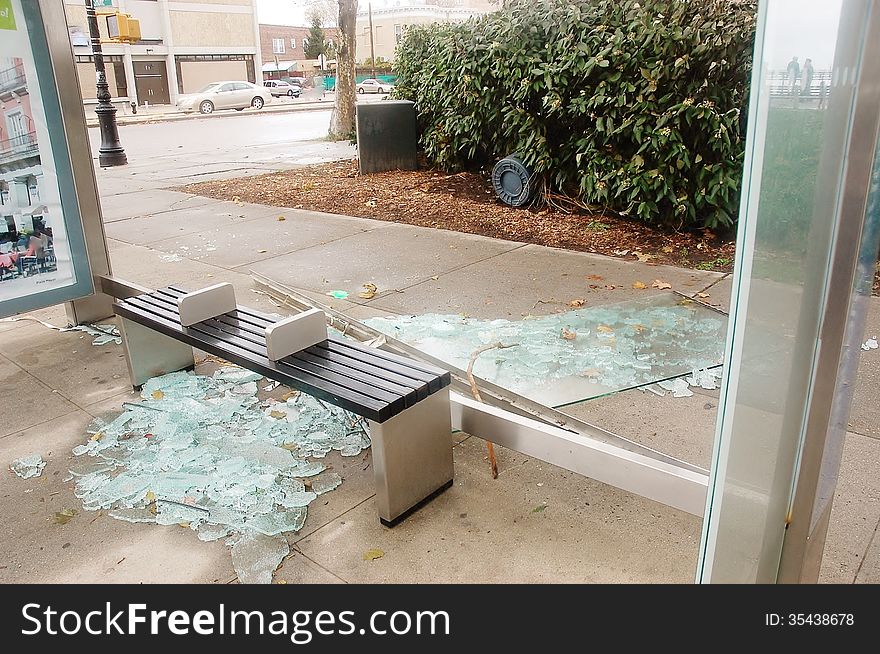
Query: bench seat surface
x=369, y=382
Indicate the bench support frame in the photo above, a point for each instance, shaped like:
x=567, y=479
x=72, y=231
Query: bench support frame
x=412, y=457
x=150, y=354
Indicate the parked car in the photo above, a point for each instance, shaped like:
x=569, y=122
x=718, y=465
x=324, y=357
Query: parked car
x=225, y=95
x=374, y=86
x=279, y=87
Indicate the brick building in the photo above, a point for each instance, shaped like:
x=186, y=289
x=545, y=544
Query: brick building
x=282, y=49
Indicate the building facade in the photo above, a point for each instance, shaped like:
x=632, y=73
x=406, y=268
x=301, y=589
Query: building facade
x=392, y=17
x=183, y=47
x=282, y=49
x=21, y=175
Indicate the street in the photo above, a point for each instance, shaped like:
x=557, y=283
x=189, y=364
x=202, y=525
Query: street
x=235, y=134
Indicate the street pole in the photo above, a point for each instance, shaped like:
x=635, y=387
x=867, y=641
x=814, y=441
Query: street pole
x=372, y=51
x=111, y=152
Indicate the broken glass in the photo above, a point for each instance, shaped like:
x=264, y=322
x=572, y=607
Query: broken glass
x=207, y=453
x=575, y=355
x=255, y=557
x=28, y=466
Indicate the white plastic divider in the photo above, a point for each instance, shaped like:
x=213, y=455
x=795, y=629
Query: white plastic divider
x=296, y=333
x=206, y=303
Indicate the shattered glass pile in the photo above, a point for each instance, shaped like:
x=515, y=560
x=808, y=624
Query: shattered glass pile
x=205, y=452
x=576, y=355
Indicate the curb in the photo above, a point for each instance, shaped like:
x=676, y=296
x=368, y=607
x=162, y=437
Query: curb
x=224, y=113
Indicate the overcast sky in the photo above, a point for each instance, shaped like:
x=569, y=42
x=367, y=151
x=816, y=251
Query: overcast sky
x=281, y=12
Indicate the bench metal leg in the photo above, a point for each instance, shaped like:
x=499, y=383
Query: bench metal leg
x=150, y=353
x=412, y=457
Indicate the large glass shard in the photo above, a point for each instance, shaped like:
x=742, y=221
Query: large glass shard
x=256, y=556
x=575, y=355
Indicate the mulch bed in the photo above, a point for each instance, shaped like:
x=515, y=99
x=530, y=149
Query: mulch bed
x=465, y=202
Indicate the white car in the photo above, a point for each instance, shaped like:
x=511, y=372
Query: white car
x=279, y=87
x=374, y=86
x=225, y=95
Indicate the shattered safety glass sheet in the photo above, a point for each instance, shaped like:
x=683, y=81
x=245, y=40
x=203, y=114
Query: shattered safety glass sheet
x=208, y=454
x=576, y=355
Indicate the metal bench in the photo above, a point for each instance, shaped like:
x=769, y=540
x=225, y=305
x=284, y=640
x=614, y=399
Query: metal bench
x=406, y=402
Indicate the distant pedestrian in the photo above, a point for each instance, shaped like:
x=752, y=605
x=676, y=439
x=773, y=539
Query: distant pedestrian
x=823, y=89
x=807, y=77
x=793, y=72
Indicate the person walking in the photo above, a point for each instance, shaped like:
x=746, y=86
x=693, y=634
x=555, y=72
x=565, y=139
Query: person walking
x=807, y=78
x=793, y=72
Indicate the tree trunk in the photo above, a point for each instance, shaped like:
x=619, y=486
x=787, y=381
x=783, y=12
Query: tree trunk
x=342, y=121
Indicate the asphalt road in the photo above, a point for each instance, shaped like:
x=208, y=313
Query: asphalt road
x=228, y=134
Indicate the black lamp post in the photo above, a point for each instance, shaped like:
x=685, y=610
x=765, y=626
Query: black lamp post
x=111, y=152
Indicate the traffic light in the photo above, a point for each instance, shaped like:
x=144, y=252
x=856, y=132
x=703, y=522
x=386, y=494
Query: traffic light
x=123, y=28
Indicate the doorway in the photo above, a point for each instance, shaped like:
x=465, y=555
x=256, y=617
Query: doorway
x=151, y=81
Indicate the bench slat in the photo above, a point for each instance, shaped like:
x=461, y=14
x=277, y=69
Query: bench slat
x=346, y=398
x=377, y=376
x=373, y=387
x=437, y=378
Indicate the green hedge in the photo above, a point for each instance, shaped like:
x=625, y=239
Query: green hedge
x=638, y=107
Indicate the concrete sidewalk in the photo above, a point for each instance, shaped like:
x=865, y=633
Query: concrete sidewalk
x=480, y=530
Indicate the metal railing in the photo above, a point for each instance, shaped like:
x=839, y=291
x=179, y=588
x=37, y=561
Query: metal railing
x=12, y=79
x=19, y=147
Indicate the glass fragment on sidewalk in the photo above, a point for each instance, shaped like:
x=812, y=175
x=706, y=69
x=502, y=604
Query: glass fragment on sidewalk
x=208, y=454
x=29, y=466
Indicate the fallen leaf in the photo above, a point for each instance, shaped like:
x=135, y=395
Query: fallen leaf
x=669, y=249
x=621, y=253
x=278, y=414
x=289, y=395
x=703, y=295
x=576, y=304
x=595, y=277
x=539, y=508
x=369, y=291
x=150, y=497
x=568, y=335
x=604, y=329
x=661, y=284
x=610, y=287
x=97, y=437
x=157, y=395
x=290, y=447
x=262, y=251
x=640, y=285
x=64, y=516
x=373, y=554
x=643, y=258
x=435, y=277
x=281, y=218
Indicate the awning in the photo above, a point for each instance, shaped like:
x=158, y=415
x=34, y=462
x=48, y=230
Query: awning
x=282, y=66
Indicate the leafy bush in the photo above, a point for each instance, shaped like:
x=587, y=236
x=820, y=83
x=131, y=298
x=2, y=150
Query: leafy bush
x=635, y=106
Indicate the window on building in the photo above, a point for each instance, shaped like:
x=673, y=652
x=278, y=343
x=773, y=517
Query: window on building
x=4, y=193
x=293, y=44
x=33, y=190
x=277, y=46
x=398, y=33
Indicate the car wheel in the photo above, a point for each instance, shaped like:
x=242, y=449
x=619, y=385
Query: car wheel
x=207, y=107
x=257, y=103
x=239, y=108
x=290, y=93
x=361, y=90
